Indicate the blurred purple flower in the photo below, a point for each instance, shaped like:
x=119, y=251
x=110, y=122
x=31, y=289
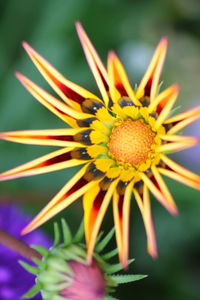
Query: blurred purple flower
x=14, y=280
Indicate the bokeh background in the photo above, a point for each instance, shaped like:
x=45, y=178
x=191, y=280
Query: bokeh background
x=133, y=29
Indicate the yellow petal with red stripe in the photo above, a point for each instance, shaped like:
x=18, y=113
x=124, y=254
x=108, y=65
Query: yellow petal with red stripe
x=165, y=191
x=121, y=211
x=168, y=106
x=95, y=63
x=74, y=188
x=162, y=99
x=57, y=160
x=59, y=108
x=182, y=120
x=150, y=81
x=145, y=209
x=95, y=209
x=179, y=173
x=70, y=92
x=177, y=143
x=119, y=83
x=157, y=191
x=50, y=137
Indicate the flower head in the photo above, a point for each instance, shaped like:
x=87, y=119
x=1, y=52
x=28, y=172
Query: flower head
x=14, y=280
x=121, y=140
x=64, y=273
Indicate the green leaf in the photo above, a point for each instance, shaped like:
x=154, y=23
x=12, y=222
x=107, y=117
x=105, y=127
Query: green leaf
x=56, y=234
x=117, y=267
x=102, y=244
x=67, y=236
x=40, y=249
x=120, y=279
x=110, y=298
x=32, y=292
x=80, y=233
x=27, y=267
x=110, y=254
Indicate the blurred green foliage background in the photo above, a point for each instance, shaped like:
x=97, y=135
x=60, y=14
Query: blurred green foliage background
x=133, y=29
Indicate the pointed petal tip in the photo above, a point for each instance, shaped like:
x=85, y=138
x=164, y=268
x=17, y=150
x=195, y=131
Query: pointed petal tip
x=19, y=76
x=164, y=41
x=153, y=253
x=25, y=231
x=124, y=264
x=176, y=87
x=112, y=54
x=25, y=45
x=79, y=28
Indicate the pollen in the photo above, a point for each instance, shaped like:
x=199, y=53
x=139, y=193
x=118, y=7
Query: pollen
x=131, y=141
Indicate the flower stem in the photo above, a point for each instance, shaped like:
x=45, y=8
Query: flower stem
x=18, y=246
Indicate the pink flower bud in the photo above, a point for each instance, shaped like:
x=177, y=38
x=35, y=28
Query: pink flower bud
x=88, y=282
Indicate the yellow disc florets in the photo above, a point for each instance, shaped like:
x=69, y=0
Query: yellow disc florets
x=131, y=141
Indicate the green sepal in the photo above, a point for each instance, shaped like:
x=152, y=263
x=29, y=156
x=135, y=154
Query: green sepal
x=29, y=268
x=110, y=254
x=67, y=236
x=102, y=244
x=110, y=298
x=56, y=234
x=79, y=234
x=120, y=279
x=59, y=265
x=117, y=267
x=40, y=249
x=33, y=291
x=38, y=262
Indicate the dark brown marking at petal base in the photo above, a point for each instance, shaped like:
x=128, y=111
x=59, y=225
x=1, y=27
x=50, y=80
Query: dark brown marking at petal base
x=121, y=187
x=86, y=122
x=80, y=153
x=90, y=106
x=92, y=173
x=106, y=182
x=83, y=137
x=125, y=101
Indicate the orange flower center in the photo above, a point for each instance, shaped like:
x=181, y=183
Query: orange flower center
x=131, y=141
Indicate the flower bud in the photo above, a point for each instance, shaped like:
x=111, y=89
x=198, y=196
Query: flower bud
x=64, y=272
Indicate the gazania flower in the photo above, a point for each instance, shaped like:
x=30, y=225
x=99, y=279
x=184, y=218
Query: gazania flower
x=120, y=140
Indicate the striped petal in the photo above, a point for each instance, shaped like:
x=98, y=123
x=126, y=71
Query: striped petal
x=95, y=63
x=168, y=106
x=162, y=99
x=74, y=188
x=182, y=120
x=150, y=81
x=70, y=92
x=177, y=143
x=60, y=109
x=119, y=83
x=50, y=137
x=144, y=205
x=57, y=160
x=121, y=211
x=95, y=204
x=164, y=190
x=179, y=173
x=160, y=192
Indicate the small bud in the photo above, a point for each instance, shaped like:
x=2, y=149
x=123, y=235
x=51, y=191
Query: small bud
x=64, y=273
